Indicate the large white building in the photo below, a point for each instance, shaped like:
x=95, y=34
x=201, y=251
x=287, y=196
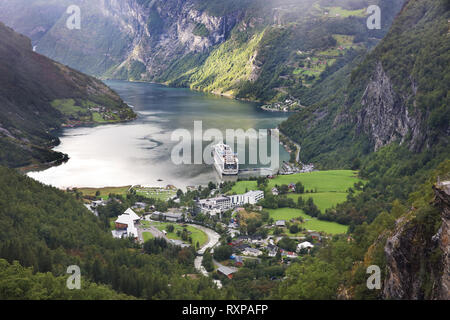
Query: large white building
x=221, y=204
x=125, y=225
x=251, y=197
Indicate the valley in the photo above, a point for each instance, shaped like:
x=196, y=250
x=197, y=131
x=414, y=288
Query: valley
x=358, y=126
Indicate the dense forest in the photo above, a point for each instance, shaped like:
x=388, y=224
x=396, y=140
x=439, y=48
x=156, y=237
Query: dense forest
x=48, y=230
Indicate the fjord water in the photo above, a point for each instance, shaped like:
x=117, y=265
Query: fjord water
x=139, y=152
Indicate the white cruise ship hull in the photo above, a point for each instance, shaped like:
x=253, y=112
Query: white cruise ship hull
x=220, y=165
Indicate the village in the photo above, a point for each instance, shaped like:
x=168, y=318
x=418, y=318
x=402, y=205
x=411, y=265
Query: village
x=217, y=221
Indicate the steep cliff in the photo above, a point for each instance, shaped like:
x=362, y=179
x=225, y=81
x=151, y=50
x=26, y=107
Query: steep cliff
x=418, y=263
x=398, y=93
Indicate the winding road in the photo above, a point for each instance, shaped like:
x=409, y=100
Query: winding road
x=213, y=240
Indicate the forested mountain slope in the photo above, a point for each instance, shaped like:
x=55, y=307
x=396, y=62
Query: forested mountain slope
x=49, y=230
x=38, y=95
x=399, y=93
x=253, y=49
x=391, y=121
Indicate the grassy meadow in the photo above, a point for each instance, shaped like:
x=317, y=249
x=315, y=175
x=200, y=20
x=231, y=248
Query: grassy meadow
x=326, y=188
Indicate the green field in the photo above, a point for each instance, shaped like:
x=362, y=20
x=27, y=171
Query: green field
x=342, y=13
x=196, y=234
x=68, y=107
x=104, y=192
x=310, y=222
x=147, y=236
x=330, y=188
x=323, y=181
x=324, y=200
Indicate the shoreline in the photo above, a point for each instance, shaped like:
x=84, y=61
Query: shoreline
x=38, y=167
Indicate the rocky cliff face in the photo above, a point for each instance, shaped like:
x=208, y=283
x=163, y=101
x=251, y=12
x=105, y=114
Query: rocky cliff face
x=384, y=115
x=418, y=264
x=207, y=45
x=117, y=36
x=442, y=192
x=169, y=30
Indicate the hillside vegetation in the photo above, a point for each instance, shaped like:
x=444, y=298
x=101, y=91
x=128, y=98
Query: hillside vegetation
x=47, y=230
x=38, y=95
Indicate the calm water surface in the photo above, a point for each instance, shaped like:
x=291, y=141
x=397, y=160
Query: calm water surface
x=139, y=152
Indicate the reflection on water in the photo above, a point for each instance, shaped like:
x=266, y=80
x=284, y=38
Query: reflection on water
x=139, y=152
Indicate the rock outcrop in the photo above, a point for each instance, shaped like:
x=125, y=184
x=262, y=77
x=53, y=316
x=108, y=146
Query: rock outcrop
x=418, y=264
x=384, y=115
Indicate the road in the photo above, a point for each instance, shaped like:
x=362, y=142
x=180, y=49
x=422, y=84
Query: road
x=213, y=240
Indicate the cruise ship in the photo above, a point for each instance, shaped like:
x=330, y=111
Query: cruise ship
x=225, y=160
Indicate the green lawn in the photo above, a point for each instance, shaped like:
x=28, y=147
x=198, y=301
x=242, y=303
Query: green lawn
x=104, y=192
x=331, y=187
x=324, y=200
x=147, y=236
x=310, y=222
x=97, y=117
x=343, y=13
x=324, y=181
x=196, y=234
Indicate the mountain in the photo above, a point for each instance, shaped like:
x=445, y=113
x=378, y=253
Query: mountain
x=38, y=96
x=251, y=49
x=421, y=271
x=389, y=119
x=397, y=94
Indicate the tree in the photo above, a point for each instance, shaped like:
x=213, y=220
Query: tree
x=294, y=228
x=299, y=188
x=208, y=261
x=277, y=231
x=211, y=186
x=356, y=164
x=170, y=228
x=284, y=189
x=300, y=203
x=287, y=244
x=223, y=252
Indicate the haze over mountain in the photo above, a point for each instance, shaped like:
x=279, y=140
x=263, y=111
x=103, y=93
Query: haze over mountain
x=253, y=49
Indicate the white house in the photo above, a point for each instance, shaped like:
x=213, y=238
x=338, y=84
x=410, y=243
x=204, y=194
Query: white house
x=132, y=215
x=125, y=223
x=304, y=245
x=252, y=252
x=280, y=223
